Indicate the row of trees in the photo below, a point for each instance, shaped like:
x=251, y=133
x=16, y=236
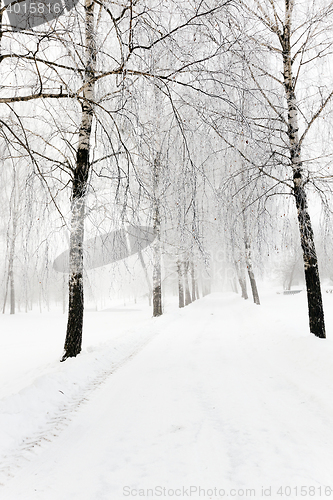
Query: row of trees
x=200, y=119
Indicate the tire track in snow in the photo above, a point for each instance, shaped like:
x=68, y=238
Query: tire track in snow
x=59, y=419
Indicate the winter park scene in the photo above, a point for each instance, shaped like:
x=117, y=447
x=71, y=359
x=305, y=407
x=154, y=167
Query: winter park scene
x=166, y=249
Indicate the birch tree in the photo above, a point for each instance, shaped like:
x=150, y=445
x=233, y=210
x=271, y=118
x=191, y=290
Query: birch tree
x=98, y=75
x=79, y=187
x=293, y=38
x=137, y=28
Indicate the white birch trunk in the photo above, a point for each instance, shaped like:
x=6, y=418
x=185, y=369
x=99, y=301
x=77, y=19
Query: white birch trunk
x=157, y=272
x=80, y=182
x=315, y=306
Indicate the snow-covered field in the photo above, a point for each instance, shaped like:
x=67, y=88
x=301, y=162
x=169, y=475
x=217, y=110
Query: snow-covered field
x=220, y=399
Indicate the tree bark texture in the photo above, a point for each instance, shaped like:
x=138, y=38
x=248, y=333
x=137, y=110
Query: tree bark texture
x=248, y=262
x=188, y=298
x=193, y=281
x=10, y=283
x=253, y=282
x=157, y=273
x=181, y=301
x=73, y=340
x=315, y=305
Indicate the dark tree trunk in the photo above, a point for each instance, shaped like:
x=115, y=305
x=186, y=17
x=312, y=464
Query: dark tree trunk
x=253, y=283
x=157, y=274
x=315, y=305
x=181, y=301
x=157, y=290
x=312, y=280
x=75, y=317
x=157, y=299
x=254, y=288
x=73, y=340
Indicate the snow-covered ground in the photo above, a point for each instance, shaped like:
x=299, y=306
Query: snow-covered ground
x=220, y=399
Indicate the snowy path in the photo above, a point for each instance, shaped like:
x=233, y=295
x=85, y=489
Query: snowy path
x=216, y=400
